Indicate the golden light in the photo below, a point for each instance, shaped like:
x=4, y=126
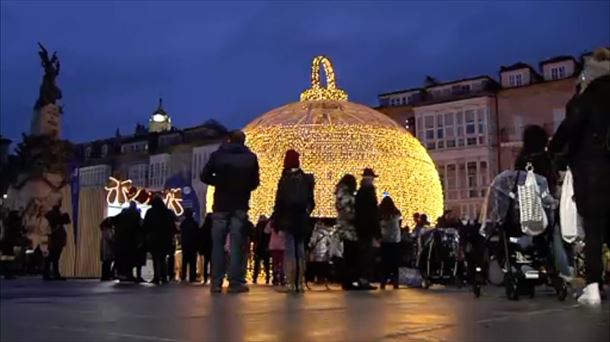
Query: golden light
x=119, y=192
x=335, y=137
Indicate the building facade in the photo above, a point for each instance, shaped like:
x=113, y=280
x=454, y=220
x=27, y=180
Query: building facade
x=473, y=127
x=152, y=158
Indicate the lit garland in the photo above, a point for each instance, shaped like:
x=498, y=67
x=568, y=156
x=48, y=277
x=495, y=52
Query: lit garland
x=119, y=191
x=336, y=137
x=316, y=92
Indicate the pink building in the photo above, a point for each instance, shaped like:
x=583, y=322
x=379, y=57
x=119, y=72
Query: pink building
x=472, y=127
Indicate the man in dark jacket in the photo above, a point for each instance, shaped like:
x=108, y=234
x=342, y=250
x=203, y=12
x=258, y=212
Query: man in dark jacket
x=261, y=250
x=367, y=226
x=234, y=173
x=586, y=134
x=189, y=235
x=57, y=241
x=126, y=241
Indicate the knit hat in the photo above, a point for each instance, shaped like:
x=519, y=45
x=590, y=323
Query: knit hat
x=291, y=160
x=597, y=66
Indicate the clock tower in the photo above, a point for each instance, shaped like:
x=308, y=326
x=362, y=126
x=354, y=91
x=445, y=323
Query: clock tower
x=159, y=120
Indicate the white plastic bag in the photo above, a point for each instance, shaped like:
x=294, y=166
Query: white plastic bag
x=531, y=212
x=571, y=222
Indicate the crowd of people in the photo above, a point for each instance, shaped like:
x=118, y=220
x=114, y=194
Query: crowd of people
x=39, y=239
x=289, y=243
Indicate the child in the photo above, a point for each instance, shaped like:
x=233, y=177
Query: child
x=276, y=249
x=319, y=256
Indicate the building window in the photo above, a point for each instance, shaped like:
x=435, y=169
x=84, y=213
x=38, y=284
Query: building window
x=440, y=131
x=470, y=122
x=104, y=151
x=558, y=73
x=88, y=152
x=515, y=80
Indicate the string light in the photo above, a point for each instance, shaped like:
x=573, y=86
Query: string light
x=123, y=191
x=336, y=137
x=317, y=92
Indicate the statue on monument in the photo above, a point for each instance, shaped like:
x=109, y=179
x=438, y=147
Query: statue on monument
x=47, y=112
x=49, y=92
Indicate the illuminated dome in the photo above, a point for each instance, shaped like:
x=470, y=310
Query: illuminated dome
x=335, y=137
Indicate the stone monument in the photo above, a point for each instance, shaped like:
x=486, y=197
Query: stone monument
x=42, y=157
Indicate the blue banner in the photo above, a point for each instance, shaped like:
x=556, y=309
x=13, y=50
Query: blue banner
x=189, y=196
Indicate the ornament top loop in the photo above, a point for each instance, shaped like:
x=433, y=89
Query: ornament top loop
x=317, y=92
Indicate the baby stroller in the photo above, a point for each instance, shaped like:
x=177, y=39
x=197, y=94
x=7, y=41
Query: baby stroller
x=439, y=257
x=526, y=259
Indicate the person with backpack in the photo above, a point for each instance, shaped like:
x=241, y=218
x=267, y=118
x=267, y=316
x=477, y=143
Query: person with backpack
x=234, y=173
x=367, y=227
x=294, y=203
x=585, y=132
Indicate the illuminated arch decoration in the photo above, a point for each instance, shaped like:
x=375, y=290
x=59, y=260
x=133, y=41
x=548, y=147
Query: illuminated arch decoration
x=122, y=191
x=317, y=92
x=336, y=137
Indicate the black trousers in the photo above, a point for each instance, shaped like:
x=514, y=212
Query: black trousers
x=595, y=228
x=351, y=264
x=207, y=259
x=52, y=262
x=265, y=258
x=189, y=258
x=160, y=267
x=366, y=259
x=171, y=264
x=390, y=261
x=107, y=270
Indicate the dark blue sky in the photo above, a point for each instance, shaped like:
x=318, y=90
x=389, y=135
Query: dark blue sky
x=236, y=60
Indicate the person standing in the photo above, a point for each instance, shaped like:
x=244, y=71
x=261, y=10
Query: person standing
x=277, y=245
x=345, y=202
x=10, y=234
x=390, y=241
x=206, y=246
x=294, y=202
x=126, y=235
x=261, y=250
x=159, y=226
x=189, y=233
x=367, y=226
x=57, y=241
x=107, y=248
x=585, y=133
x=233, y=171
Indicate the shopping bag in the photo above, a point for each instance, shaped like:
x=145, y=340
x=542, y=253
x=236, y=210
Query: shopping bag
x=532, y=216
x=571, y=222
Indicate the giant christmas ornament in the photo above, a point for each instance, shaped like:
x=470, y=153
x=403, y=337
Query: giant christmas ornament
x=336, y=137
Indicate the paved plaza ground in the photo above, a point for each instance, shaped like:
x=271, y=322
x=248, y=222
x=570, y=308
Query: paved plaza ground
x=87, y=310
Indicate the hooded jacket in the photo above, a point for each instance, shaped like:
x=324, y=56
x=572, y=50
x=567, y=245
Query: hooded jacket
x=234, y=173
x=585, y=133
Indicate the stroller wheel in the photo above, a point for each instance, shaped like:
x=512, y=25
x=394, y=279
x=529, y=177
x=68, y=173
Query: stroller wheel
x=561, y=290
x=477, y=290
x=512, y=288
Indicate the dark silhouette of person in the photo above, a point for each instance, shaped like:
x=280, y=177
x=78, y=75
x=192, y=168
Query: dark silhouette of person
x=189, y=235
